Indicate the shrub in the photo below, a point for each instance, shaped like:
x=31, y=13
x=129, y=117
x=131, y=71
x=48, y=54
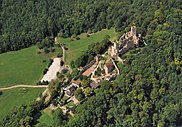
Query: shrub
x=45, y=71
x=39, y=52
x=61, y=63
x=59, y=55
x=43, y=61
x=77, y=38
x=71, y=39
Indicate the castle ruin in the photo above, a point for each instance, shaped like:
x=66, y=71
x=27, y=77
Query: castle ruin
x=126, y=42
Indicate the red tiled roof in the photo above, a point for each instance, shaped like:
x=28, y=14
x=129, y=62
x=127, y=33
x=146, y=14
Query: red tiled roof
x=75, y=82
x=88, y=71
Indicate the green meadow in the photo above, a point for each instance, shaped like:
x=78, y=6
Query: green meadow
x=21, y=67
x=16, y=97
x=76, y=47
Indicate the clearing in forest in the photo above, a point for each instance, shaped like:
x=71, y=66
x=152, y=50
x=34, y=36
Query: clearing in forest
x=76, y=47
x=21, y=67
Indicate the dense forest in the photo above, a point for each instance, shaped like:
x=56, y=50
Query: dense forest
x=148, y=91
x=24, y=23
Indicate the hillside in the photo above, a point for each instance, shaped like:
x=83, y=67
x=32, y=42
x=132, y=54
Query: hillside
x=147, y=93
x=23, y=23
x=77, y=47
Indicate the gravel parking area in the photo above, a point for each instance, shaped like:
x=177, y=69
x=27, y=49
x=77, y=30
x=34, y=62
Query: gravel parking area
x=52, y=71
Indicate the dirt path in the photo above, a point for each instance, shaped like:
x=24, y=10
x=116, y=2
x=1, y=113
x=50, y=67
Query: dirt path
x=29, y=86
x=63, y=53
x=56, y=42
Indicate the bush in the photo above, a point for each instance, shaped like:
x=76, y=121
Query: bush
x=39, y=52
x=58, y=45
x=50, y=62
x=54, y=102
x=59, y=55
x=71, y=39
x=44, y=61
x=79, y=95
x=45, y=71
x=64, y=71
x=52, y=49
x=61, y=63
x=73, y=36
x=77, y=38
x=42, y=83
x=46, y=50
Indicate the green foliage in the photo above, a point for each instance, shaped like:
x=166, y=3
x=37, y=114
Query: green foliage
x=46, y=119
x=98, y=72
x=24, y=115
x=86, y=83
x=93, y=50
x=148, y=90
x=74, y=72
x=48, y=42
x=77, y=47
x=88, y=92
x=25, y=23
x=58, y=117
x=79, y=94
x=9, y=102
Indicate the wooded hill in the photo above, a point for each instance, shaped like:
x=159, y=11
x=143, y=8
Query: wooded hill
x=148, y=91
x=24, y=22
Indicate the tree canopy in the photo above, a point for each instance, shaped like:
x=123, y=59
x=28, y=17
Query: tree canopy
x=148, y=90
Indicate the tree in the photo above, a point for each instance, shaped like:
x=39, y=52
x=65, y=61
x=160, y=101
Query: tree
x=86, y=83
x=61, y=63
x=58, y=117
x=79, y=94
x=88, y=92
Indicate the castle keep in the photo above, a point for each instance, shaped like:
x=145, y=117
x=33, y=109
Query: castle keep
x=126, y=42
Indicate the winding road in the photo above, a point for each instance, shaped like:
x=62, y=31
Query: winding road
x=29, y=86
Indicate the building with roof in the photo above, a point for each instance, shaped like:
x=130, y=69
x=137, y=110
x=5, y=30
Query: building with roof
x=69, y=90
x=126, y=42
x=94, y=85
x=75, y=83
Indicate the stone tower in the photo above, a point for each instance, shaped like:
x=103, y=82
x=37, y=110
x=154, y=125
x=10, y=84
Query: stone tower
x=115, y=50
x=133, y=31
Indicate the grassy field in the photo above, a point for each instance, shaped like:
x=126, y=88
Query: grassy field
x=21, y=67
x=15, y=97
x=76, y=47
x=46, y=117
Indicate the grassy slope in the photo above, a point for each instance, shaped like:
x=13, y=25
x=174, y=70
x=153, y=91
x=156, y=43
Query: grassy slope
x=46, y=117
x=75, y=48
x=15, y=97
x=21, y=67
